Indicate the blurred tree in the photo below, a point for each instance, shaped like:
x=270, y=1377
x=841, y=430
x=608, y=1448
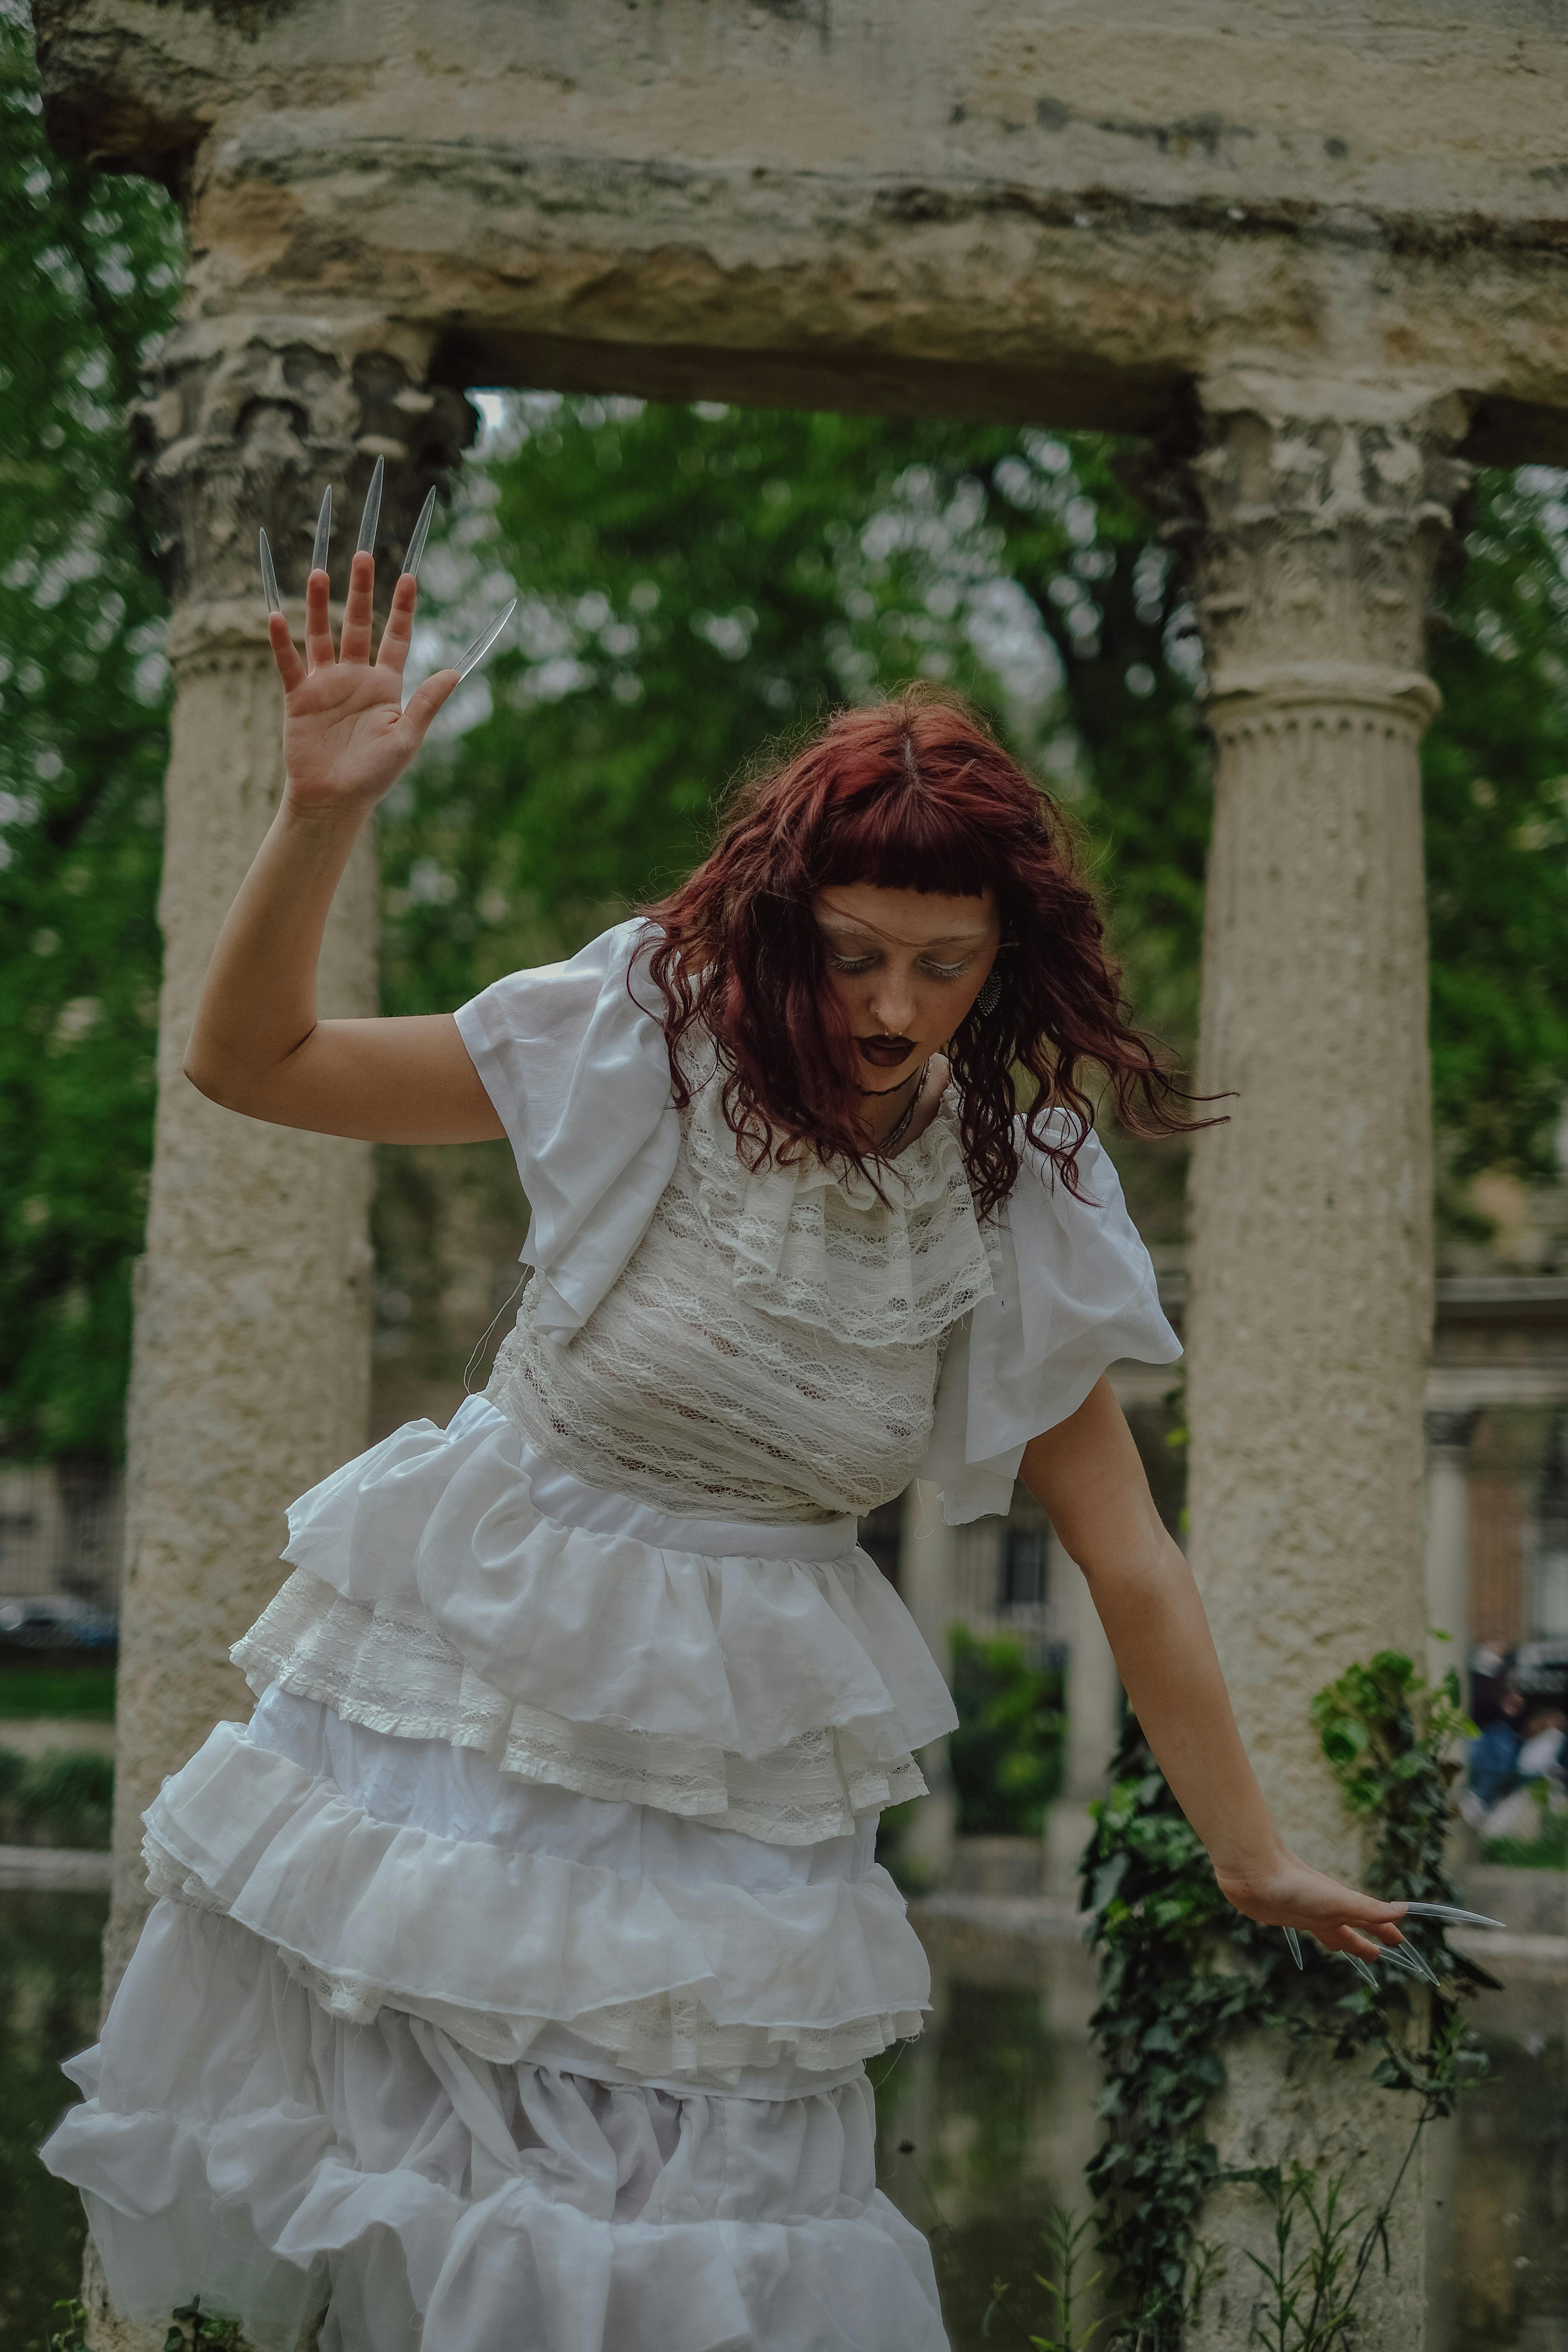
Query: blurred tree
x=694, y=581
x=698, y=579
x=1496, y=774
x=91, y=271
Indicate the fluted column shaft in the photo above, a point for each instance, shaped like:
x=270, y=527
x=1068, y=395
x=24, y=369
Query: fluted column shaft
x=1318, y=513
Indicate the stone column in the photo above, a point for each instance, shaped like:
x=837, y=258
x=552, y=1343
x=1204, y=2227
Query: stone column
x=1323, y=509
x=1448, y=1545
x=250, y=1377
x=928, y=1549
x=1093, y=1712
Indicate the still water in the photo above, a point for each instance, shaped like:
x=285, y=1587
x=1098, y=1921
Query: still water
x=984, y=2125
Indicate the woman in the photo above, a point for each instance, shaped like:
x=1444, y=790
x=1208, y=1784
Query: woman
x=518, y=1963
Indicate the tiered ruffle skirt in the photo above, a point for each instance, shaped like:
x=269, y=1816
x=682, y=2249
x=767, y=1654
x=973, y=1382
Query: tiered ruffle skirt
x=517, y=1964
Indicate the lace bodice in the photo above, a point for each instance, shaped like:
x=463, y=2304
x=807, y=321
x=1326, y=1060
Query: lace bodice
x=771, y=1349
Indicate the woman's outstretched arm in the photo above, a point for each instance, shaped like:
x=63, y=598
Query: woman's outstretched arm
x=257, y=1045
x=1087, y=1475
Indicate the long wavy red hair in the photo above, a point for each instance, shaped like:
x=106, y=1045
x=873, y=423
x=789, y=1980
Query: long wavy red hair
x=914, y=793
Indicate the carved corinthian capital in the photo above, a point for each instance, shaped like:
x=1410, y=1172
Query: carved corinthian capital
x=1314, y=518
x=247, y=418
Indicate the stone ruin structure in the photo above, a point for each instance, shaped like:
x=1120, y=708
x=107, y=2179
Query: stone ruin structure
x=1313, y=253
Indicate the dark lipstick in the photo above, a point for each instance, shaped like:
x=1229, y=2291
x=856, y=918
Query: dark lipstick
x=887, y=1053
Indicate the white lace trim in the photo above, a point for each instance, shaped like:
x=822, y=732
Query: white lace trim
x=667, y=2034
x=817, y=1243
x=710, y=1385
x=399, y=1675
x=497, y=1948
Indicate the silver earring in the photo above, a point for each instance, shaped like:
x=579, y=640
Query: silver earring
x=990, y=995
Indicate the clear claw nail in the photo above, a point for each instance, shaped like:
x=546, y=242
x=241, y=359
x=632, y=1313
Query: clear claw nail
x=372, y=515
x=1409, y=1963
x=1362, y=1967
x=324, y=532
x=269, y=579
x=421, y=533
x=481, y=645
x=1294, y=1941
x=1449, y=1911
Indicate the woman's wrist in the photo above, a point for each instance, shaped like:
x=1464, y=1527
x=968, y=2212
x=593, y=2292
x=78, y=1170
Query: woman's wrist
x=1248, y=1862
x=316, y=819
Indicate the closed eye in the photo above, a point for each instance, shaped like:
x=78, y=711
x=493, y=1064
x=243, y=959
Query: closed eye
x=864, y=963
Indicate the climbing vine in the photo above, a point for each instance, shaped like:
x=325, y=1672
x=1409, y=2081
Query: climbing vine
x=1181, y=1974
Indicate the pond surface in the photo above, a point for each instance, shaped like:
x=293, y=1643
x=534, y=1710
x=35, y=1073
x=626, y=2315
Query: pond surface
x=984, y=2125
x=987, y=2122
x=48, y=2007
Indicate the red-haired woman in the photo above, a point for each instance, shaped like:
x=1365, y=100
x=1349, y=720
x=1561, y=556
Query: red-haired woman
x=519, y=1961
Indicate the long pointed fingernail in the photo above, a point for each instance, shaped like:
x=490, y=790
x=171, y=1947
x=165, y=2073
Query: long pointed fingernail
x=1409, y=1962
x=421, y=534
x=372, y=515
x=1361, y=1967
x=1449, y=1911
x=324, y=532
x=1294, y=1943
x=269, y=579
x=481, y=645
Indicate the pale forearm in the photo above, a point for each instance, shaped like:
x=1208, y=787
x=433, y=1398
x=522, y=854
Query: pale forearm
x=1153, y=1617
x=1087, y=1473
x=257, y=1004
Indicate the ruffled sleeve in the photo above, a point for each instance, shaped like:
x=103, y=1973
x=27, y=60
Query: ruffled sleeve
x=1074, y=1292
x=579, y=1074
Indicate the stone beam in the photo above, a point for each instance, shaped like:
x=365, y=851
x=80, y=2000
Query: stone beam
x=942, y=205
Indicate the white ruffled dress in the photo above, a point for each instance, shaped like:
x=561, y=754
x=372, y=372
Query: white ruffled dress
x=516, y=1966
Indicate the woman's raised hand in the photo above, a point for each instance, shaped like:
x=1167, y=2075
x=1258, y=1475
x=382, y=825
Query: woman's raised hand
x=347, y=737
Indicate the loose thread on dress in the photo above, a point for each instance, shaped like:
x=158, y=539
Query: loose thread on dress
x=483, y=1340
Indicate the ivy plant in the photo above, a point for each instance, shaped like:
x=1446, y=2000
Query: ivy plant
x=1182, y=1974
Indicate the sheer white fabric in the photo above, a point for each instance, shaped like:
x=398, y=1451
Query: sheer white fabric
x=773, y=1688
x=1075, y=1293
x=1070, y=1289
x=403, y=2015
x=239, y=2140
x=797, y=1325
x=396, y=1675
x=579, y=1077
x=515, y=1967
x=666, y=1948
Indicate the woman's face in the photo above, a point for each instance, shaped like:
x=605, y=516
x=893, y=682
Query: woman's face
x=906, y=965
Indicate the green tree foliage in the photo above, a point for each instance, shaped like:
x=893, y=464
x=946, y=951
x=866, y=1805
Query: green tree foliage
x=91, y=268
x=1007, y=1754
x=696, y=580
x=1496, y=774
x=696, y=583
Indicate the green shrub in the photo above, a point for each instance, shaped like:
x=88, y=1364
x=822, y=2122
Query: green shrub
x=52, y=1690
x=1548, y=1850
x=1007, y=1754
x=64, y=1798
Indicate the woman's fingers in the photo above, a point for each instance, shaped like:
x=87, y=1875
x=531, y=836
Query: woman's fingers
x=1349, y=1941
x=355, y=646
x=290, y=668
x=399, y=630
x=319, y=651
x=427, y=699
